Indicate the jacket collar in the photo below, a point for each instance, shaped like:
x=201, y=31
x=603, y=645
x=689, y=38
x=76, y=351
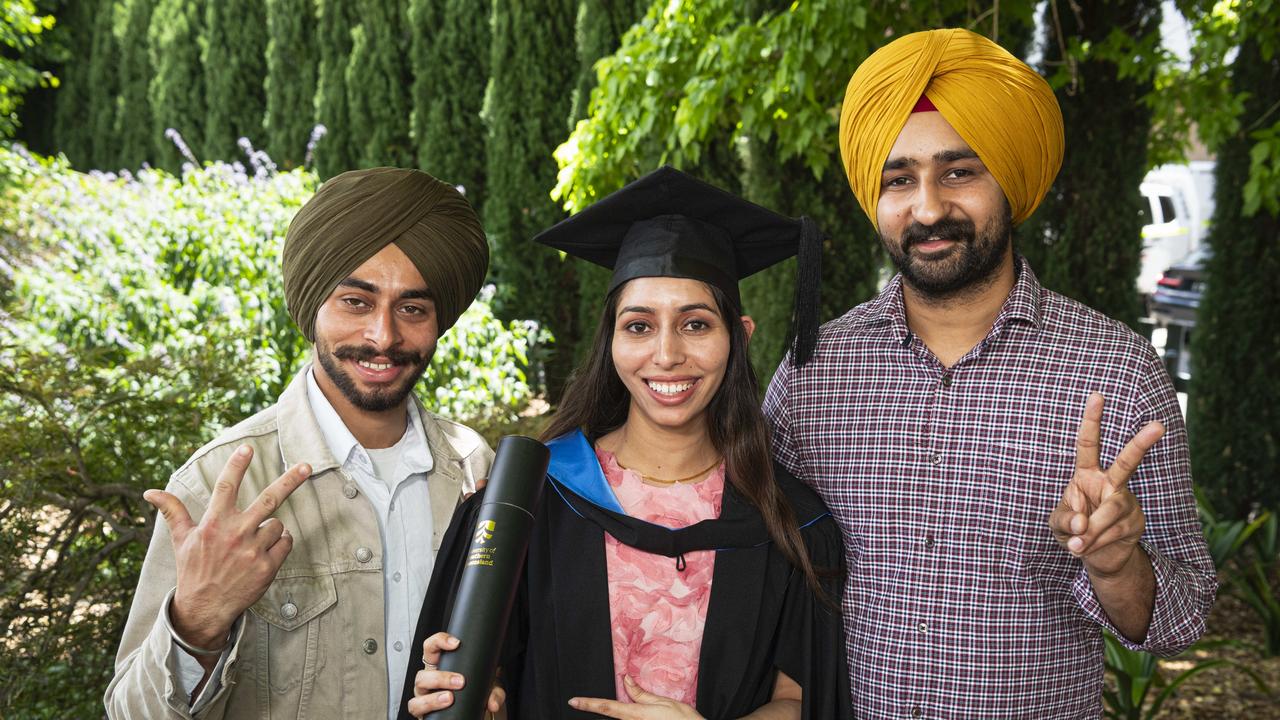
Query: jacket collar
x=303, y=440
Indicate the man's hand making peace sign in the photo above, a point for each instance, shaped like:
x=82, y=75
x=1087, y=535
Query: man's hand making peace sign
x=226, y=562
x=1099, y=521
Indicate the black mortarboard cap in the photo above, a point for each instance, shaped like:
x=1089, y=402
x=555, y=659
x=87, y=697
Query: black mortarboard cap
x=669, y=224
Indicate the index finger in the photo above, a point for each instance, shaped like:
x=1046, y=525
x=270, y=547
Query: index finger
x=227, y=486
x=1133, y=452
x=600, y=706
x=274, y=495
x=1089, y=433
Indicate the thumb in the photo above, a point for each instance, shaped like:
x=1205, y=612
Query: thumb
x=174, y=512
x=639, y=694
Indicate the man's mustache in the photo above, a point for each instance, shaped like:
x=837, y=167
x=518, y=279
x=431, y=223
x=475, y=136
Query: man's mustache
x=959, y=230
x=367, y=354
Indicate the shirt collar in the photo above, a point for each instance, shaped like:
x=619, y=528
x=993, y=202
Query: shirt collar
x=416, y=458
x=887, y=310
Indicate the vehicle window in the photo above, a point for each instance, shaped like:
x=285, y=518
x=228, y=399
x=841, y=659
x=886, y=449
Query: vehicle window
x=1166, y=208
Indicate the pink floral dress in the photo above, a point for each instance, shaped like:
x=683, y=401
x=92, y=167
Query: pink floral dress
x=657, y=611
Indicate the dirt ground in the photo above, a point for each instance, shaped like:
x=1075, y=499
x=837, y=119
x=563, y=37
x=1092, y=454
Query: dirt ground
x=1223, y=692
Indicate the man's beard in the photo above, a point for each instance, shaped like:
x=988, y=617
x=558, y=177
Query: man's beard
x=967, y=266
x=376, y=400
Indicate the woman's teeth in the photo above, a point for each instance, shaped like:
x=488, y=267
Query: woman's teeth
x=374, y=366
x=670, y=388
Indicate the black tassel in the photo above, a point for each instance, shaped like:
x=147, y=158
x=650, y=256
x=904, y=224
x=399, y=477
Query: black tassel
x=802, y=338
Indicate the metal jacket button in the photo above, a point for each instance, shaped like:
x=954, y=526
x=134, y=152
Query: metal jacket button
x=288, y=611
x=364, y=554
x=350, y=491
x=370, y=646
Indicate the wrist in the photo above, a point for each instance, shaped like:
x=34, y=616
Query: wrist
x=1136, y=564
x=192, y=633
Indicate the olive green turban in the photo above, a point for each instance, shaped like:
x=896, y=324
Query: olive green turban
x=356, y=214
x=1003, y=109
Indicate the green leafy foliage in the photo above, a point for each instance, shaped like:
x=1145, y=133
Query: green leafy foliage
x=104, y=79
x=233, y=54
x=338, y=150
x=1085, y=241
x=132, y=128
x=21, y=27
x=1233, y=407
x=532, y=65
x=292, y=67
x=175, y=94
x=1142, y=690
x=451, y=70
x=1255, y=582
x=73, y=31
x=378, y=85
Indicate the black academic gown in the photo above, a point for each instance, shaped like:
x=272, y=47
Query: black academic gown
x=762, y=614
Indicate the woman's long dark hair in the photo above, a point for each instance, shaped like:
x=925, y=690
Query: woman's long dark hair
x=596, y=401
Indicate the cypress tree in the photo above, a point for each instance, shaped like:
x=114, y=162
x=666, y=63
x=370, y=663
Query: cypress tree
x=1234, y=399
x=72, y=134
x=598, y=32
x=851, y=255
x=292, y=66
x=1085, y=241
x=132, y=126
x=451, y=69
x=103, y=86
x=234, y=58
x=338, y=150
x=378, y=85
x=176, y=95
x=533, y=70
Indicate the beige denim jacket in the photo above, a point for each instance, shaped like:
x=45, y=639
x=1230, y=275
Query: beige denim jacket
x=312, y=646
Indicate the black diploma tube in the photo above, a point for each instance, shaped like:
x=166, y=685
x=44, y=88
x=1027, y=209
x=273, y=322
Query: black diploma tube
x=487, y=591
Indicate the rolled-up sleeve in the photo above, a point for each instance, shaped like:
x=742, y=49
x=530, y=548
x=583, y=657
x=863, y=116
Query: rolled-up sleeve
x=1185, y=578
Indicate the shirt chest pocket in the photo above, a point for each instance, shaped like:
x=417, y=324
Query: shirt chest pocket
x=294, y=613
x=1020, y=488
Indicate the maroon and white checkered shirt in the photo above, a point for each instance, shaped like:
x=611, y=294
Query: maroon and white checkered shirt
x=959, y=602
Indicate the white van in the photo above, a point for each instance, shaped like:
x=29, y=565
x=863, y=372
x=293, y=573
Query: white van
x=1179, y=205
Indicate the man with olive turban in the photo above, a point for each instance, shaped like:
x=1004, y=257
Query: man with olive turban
x=295, y=551
x=996, y=519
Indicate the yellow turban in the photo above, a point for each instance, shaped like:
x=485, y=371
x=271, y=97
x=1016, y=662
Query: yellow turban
x=356, y=214
x=1003, y=109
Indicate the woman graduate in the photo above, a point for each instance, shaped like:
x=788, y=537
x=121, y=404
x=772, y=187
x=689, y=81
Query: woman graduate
x=674, y=571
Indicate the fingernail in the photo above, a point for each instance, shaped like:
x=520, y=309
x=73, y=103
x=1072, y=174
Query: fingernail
x=305, y=469
x=243, y=451
x=453, y=640
x=455, y=681
x=148, y=495
x=574, y=702
x=1075, y=544
x=442, y=697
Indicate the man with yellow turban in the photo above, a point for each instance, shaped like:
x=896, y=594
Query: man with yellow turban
x=296, y=548
x=996, y=520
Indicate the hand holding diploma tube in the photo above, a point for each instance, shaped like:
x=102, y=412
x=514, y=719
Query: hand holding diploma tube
x=459, y=665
